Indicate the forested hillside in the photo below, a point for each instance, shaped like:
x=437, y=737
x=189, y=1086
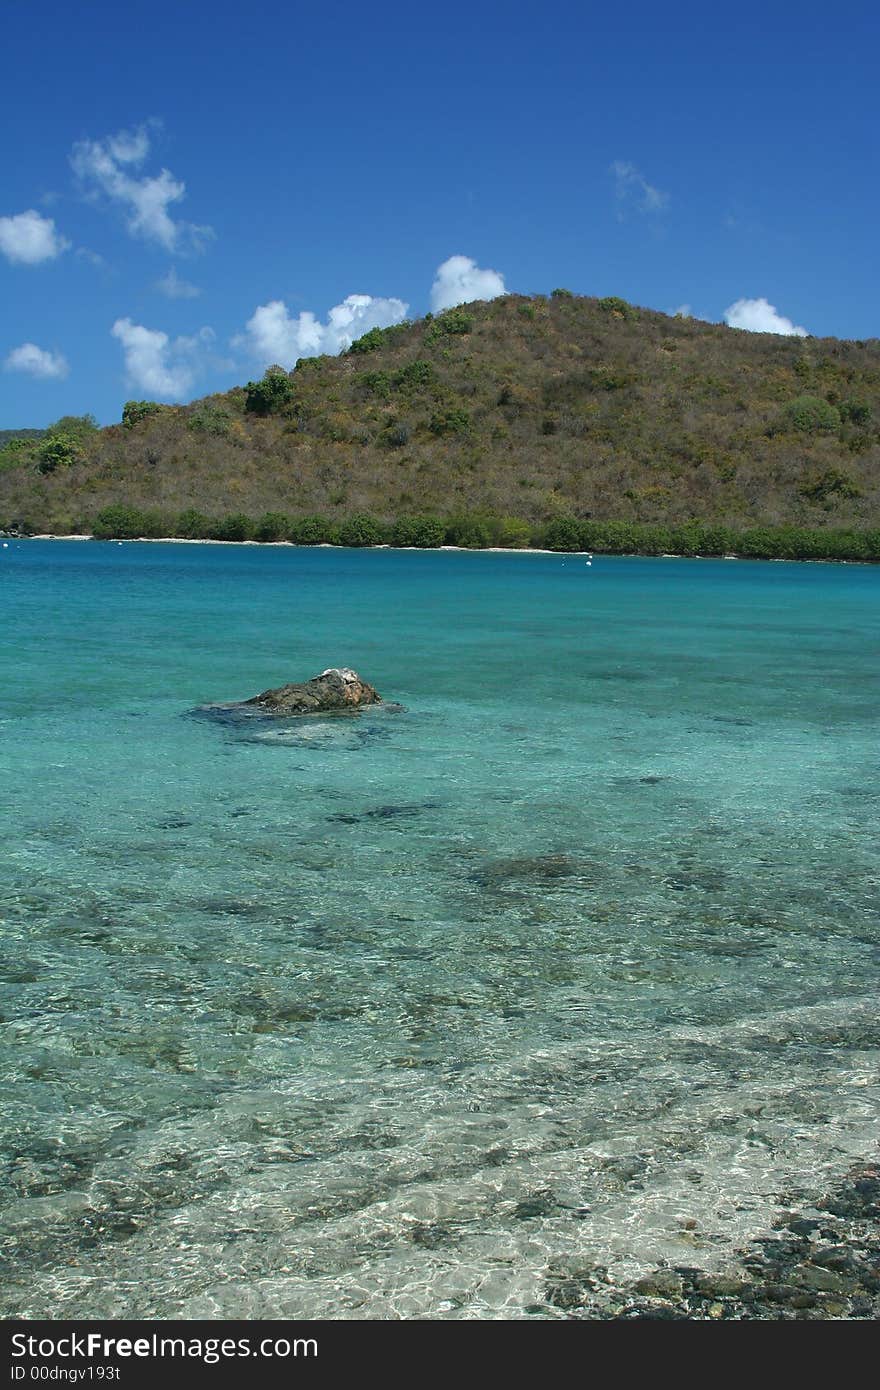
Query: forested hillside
x=491, y=422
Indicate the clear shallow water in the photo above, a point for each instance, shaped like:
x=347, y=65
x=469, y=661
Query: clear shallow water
x=409, y=1014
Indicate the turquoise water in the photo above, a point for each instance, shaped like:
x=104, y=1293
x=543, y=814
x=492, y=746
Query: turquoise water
x=408, y=1014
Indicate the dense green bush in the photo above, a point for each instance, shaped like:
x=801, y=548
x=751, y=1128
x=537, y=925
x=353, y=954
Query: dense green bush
x=376, y=384
x=235, y=527
x=811, y=415
x=562, y=533
x=613, y=304
x=832, y=483
x=313, y=530
x=58, y=451
x=271, y=394
x=416, y=376
x=272, y=526
x=369, y=342
x=133, y=412
x=377, y=338
x=361, y=530
x=312, y=364
x=512, y=533
x=452, y=323
x=468, y=530
x=855, y=412
x=78, y=427
x=193, y=526
x=479, y=530
x=396, y=434
x=450, y=421
x=561, y=294
x=126, y=523
x=424, y=532
x=17, y=452
x=209, y=419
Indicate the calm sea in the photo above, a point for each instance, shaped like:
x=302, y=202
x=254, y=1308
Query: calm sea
x=571, y=962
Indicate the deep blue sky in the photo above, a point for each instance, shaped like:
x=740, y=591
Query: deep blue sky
x=349, y=148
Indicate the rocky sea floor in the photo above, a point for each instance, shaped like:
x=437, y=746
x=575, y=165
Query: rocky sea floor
x=818, y=1262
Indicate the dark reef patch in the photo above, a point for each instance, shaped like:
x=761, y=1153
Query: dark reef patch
x=823, y=1263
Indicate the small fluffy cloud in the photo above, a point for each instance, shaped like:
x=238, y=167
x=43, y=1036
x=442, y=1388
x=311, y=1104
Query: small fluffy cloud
x=83, y=253
x=29, y=238
x=158, y=365
x=272, y=334
x=460, y=280
x=173, y=287
x=633, y=190
x=109, y=167
x=757, y=316
x=36, y=361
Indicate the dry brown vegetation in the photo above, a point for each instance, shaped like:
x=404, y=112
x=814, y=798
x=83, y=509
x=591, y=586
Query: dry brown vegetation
x=530, y=408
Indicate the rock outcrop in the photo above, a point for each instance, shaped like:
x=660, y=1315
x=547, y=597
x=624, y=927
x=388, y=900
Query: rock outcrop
x=338, y=689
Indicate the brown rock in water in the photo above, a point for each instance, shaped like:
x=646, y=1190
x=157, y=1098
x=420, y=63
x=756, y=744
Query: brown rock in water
x=338, y=688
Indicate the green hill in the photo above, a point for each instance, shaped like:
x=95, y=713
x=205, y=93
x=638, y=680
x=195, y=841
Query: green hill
x=7, y=435
x=495, y=420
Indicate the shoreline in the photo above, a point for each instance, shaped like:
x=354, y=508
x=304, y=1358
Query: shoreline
x=454, y=549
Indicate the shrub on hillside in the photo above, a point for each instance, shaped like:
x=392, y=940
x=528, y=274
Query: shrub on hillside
x=396, y=434
x=450, y=421
x=78, y=427
x=416, y=376
x=470, y=531
x=618, y=308
x=453, y=323
x=376, y=384
x=811, y=415
x=209, y=419
x=193, y=526
x=235, y=527
x=58, y=451
x=423, y=532
x=17, y=452
x=562, y=533
x=369, y=342
x=121, y=523
x=313, y=530
x=271, y=394
x=272, y=526
x=361, y=530
x=133, y=412
x=512, y=533
x=855, y=412
x=833, y=483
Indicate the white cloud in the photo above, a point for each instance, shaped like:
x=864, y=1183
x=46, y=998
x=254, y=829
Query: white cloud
x=29, y=238
x=459, y=280
x=173, y=287
x=159, y=365
x=634, y=191
x=757, y=316
x=273, y=335
x=107, y=166
x=36, y=361
x=90, y=257
x=683, y=311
